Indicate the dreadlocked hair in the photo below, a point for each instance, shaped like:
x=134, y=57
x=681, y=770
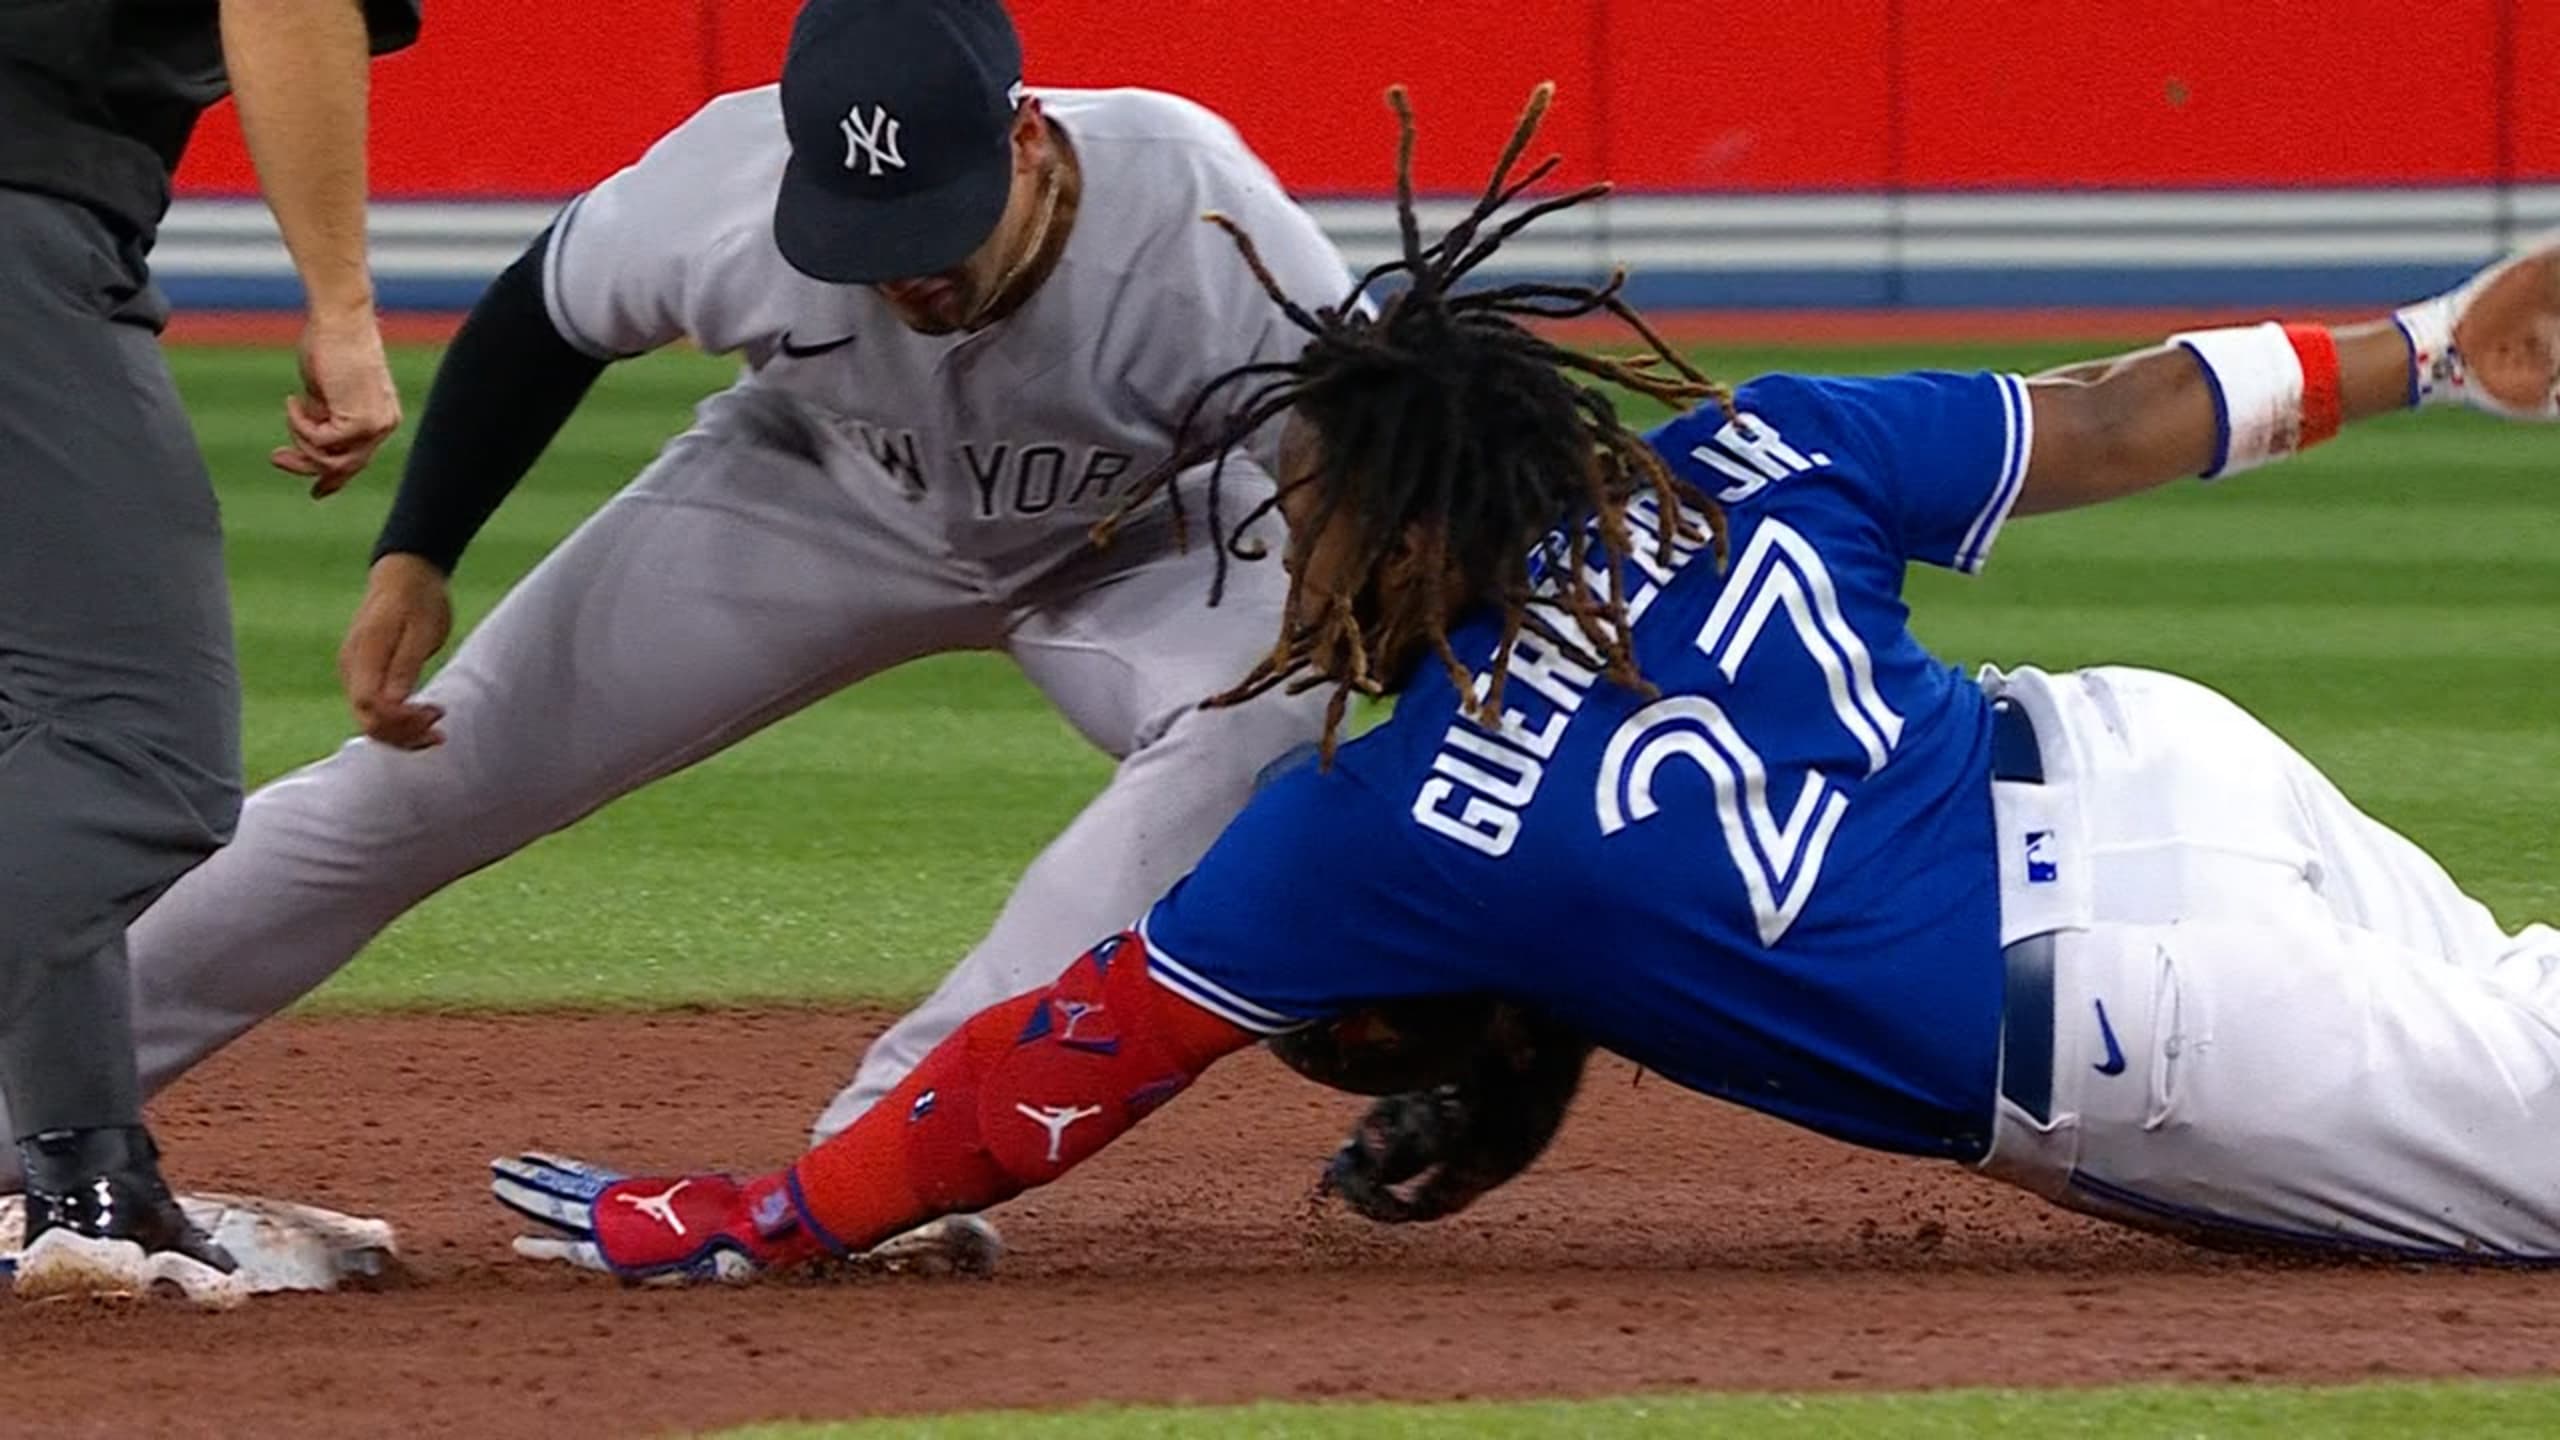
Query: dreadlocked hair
x=1439, y=414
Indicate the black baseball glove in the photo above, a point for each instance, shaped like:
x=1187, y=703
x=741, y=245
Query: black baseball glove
x=1487, y=1084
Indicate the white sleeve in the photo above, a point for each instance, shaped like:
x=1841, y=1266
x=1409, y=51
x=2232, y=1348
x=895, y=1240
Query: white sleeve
x=639, y=261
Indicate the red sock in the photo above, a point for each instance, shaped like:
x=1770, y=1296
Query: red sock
x=1011, y=1100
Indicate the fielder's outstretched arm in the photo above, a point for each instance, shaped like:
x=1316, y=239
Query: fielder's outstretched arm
x=634, y=264
x=2217, y=402
x=505, y=387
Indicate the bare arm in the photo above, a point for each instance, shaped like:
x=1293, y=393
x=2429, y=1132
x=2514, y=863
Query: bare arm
x=299, y=70
x=2115, y=427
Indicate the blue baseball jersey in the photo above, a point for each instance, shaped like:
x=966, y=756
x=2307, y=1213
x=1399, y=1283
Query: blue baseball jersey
x=1772, y=881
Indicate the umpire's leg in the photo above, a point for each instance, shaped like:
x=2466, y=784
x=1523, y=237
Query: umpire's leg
x=119, y=703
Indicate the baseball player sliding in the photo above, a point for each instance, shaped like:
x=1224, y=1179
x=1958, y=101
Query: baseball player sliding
x=1669, y=770
x=971, y=317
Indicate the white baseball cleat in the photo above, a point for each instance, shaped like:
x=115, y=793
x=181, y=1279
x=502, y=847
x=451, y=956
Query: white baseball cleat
x=66, y=1265
x=952, y=1245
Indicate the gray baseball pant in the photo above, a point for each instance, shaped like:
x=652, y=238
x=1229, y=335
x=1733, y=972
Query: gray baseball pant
x=739, y=579
x=119, y=702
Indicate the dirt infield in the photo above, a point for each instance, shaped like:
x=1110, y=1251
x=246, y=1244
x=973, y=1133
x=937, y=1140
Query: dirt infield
x=1666, y=1243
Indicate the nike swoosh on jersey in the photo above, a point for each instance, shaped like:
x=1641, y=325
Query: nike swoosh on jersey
x=804, y=352
x=2114, y=1063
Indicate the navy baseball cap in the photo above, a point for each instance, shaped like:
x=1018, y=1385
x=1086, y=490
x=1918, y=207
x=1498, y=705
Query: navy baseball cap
x=900, y=114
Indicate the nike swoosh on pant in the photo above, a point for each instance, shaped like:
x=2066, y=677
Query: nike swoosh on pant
x=2114, y=1063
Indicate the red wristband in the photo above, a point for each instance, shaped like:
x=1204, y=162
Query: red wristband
x=2324, y=406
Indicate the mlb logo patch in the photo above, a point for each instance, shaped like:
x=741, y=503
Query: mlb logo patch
x=922, y=1107
x=2041, y=868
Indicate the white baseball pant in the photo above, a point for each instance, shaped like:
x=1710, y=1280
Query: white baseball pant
x=2276, y=1019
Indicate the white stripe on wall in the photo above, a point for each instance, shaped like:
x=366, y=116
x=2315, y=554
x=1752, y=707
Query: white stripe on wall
x=1698, y=233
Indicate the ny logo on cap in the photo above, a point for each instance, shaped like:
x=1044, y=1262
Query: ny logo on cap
x=873, y=139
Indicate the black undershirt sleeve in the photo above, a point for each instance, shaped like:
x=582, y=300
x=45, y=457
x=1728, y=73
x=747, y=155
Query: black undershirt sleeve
x=505, y=387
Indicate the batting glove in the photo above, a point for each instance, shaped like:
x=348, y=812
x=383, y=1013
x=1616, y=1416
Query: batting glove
x=2492, y=344
x=676, y=1229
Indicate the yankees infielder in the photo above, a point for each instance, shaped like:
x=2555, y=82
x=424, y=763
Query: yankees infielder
x=971, y=317
x=1669, y=767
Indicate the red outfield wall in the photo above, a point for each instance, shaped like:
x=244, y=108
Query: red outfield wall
x=511, y=99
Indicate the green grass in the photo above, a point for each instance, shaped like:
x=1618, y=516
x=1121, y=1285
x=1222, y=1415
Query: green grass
x=2469, y=1411
x=2391, y=603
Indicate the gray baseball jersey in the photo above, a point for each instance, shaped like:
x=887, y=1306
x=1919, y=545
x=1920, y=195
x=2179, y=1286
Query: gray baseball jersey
x=861, y=495
x=1016, y=439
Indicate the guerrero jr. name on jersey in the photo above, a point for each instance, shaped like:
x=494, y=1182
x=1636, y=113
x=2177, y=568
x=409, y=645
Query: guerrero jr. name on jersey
x=1776, y=810
x=1482, y=780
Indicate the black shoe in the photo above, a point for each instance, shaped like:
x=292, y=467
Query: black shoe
x=105, y=1184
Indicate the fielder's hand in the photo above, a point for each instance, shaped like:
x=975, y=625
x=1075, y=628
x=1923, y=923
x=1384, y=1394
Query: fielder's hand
x=674, y=1229
x=2494, y=344
x=405, y=616
x=348, y=405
